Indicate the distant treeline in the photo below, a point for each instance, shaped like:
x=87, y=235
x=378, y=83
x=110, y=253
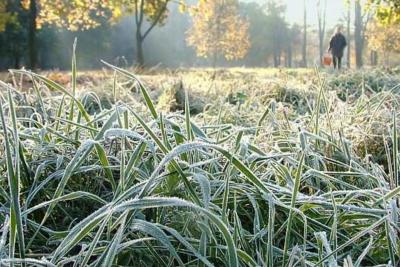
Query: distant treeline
x=113, y=43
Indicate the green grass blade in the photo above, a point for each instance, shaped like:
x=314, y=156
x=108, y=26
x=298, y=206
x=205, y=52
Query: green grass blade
x=295, y=191
x=112, y=249
x=60, y=88
x=354, y=238
x=143, y=89
x=73, y=79
x=13, y=174
x=396, y=178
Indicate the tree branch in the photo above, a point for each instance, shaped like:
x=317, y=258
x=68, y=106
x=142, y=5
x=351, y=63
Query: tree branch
x=157, y=19
x=136, y=13
x=141, y=12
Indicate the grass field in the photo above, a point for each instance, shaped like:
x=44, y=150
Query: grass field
x=237, y=167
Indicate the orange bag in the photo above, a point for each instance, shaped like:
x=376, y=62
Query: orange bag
x=327, y=60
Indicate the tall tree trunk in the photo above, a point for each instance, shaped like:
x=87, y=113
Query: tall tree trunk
x=215, y=59
x=321, y=13
x=358, y=34
x=348, y=36
x=279, y=57
x=374, y=58
x=304, y=52
x=276, y=60
x=139, y=7
x=139, y=48
x=289, y=55
x=17, y=60
x=387, y=58
x=32, y=46
x=321, y=50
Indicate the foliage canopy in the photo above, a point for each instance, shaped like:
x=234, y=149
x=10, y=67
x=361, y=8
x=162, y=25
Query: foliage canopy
x=218, y=30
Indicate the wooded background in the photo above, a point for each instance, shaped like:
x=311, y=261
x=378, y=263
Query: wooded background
x=38, y=34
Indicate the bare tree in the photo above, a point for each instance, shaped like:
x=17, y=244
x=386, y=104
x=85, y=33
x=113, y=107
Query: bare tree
x=348, y=19
x=32, y=42
x=140, y=10
x=361, y=20
x=321, y=15
x=304, y=52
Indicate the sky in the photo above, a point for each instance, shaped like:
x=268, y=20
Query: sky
x=336, y=10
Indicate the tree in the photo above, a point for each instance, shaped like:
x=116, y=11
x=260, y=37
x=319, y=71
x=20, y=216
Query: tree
x=87, y=14
x=259, y=31
x=5, y=15
x=12, y=32
x=293, y=37
x=358, y=33
x=383, y=38
x=154, y=12
x=384, y=32
x=304, y=48
x=387, y=11
x=348, y=32
x=321, y=15
x=73, y=14
x=278, y=30
x=361, y=19
x=32, y=34
x=347, y=18
x=218, y=30
x=387, y=15
x=270, y=35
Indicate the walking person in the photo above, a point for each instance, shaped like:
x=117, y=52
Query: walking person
x=336, y=47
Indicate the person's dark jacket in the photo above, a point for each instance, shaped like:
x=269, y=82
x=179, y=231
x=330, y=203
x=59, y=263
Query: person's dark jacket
x=337, y=45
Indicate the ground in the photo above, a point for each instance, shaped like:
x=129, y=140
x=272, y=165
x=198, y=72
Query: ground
x=223, y=167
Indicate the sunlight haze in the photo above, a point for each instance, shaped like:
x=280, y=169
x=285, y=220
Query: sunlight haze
x=336, y=10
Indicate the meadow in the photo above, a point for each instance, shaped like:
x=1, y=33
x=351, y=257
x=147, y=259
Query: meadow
x=199, y=167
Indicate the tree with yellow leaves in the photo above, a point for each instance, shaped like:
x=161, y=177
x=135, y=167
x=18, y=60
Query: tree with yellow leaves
x=85, y=14
x=5, y=15
x=384, y=38
x=73, y=15
x=387, y=11
x=384, y=32
x=218, y=30
x=12, y=34
x=154, y=12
